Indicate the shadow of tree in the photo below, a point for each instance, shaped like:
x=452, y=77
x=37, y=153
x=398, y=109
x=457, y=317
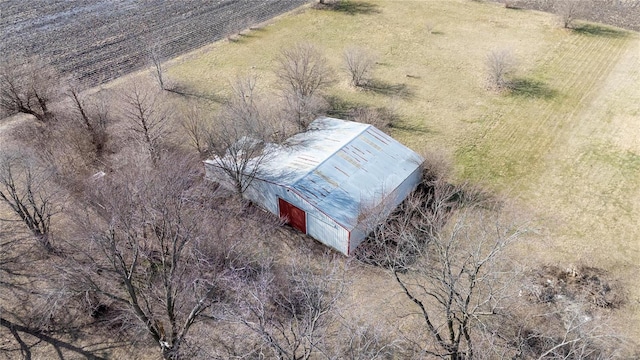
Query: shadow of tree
x=384, y=88
x=350, y=7
x=343, y=109
x=339, y=107
x=597, y=30
x=529, y=88
x=184, y=91
x=24, y=336
x=410, y=128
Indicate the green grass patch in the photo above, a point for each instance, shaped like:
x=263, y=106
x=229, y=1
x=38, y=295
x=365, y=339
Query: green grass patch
x=623, y=162
x=600, y=30
x=531, y=88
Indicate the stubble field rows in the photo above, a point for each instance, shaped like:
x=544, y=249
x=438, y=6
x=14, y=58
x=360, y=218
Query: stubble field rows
x=97, y=41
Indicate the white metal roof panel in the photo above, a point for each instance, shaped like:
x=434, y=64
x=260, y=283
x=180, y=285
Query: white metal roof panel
x=340, y=167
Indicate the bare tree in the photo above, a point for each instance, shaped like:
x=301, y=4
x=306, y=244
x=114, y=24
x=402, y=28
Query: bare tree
x=196, y=127
x=290, y=312
x=454, y=284
x=94, y=120
x=158, y=256
x=442, y=249
x=239, y=140
x=27, y=87
x=156, y=62
x=359, y=63
x=500, y=66
x=147, y=118
x=569, y=11
x=303, y=73
x=24, y=189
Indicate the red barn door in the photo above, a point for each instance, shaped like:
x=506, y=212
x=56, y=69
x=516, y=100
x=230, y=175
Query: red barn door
x=293, y=215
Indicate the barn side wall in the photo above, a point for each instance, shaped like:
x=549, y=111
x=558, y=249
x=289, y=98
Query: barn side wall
x=319, y=226
x=395, y=197
x=327, y=231
x=216, y=174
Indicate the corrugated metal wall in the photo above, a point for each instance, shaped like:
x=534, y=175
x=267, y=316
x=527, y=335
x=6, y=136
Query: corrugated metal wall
x=327, y=231
x=392, y=201
x=319, y=226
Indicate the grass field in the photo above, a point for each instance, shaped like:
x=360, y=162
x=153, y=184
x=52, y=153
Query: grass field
x=564, y=145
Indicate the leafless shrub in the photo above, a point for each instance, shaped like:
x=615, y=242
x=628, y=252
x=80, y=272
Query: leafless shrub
x=429, y=26
x=26, y=187
x=361, y=341
x=500, y=66
x=28, y=86
x=148, y=120
x=381, y=118
x=63, y=146
x=359, y=63
x=568, y=11
x=303, y=73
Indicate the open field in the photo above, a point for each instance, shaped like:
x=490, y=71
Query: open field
x=97, y=41
x=620, y=13
x=564, y=144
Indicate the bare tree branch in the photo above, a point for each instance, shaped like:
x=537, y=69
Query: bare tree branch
x=27, y=86
x=148, y=120
x=23, y=188
x=303, y=73
x=359, y=63
x=239, y=140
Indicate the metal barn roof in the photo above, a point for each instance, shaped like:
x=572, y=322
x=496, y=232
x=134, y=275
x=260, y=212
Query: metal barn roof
x=341, y=166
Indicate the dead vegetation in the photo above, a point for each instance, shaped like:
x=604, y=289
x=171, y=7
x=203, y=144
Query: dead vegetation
x=148, y=251
x=583, y=284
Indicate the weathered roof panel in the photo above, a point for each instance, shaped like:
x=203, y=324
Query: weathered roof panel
x=338, y=166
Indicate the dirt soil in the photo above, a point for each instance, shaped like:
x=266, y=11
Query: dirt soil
x=621, y=13
x=99, y=40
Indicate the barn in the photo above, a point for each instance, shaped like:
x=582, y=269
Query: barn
x=333, y=181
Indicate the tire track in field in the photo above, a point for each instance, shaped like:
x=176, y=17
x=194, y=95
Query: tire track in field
x=601, y=59
x=572, y=83
x=502, y=123
x=515, y=144
x=591, y=185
